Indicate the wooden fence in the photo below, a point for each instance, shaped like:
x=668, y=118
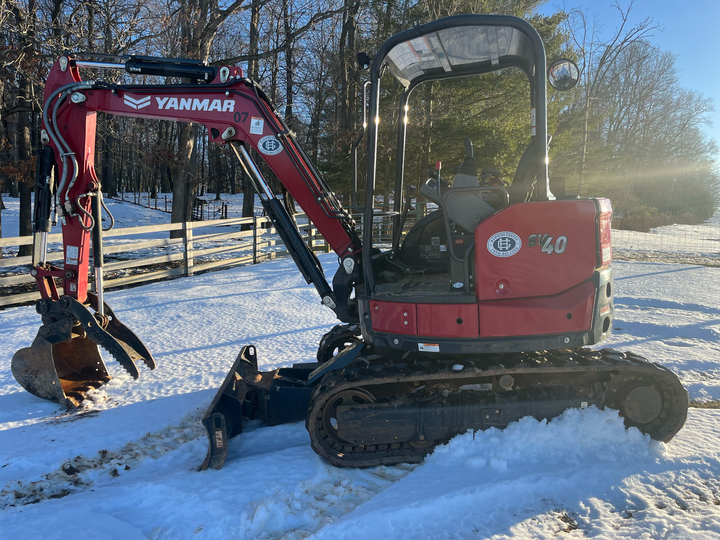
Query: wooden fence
x=200, y=246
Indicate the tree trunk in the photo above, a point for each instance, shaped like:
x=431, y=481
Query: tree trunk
x=584, y=149
x=289, y=71
x=25, y=160
x=2, y=207
x=184, y=186
x=427, y=142
x=253, y=45
x=248, y=209
x=348, y=73
x=216, y=170
x=254, y=73
x=24, y=125
x=233, y=177
x=109, y=164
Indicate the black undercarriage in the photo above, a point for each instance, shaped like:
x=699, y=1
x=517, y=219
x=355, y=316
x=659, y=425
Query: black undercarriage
x=363, y=411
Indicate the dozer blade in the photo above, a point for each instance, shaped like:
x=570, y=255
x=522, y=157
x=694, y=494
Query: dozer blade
x=275, y=397
x=64, y=363
x=224, y=417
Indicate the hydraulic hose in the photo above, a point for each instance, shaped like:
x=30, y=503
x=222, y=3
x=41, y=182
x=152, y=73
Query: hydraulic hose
x=56, y=137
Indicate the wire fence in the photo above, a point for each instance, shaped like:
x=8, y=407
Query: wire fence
x=686, y=244
x=683, y=244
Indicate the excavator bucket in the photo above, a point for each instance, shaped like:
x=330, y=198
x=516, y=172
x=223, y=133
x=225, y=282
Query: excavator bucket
x=62, y=372
x=64, y=363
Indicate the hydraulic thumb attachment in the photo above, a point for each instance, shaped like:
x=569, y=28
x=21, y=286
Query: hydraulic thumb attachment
x=64, y=363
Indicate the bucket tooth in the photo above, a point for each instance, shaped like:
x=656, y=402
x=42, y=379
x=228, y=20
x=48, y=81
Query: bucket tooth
x=96, y=333
x=123, y=335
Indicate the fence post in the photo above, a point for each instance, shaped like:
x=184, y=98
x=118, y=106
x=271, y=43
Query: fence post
x=188, y=244
x=166, y=203
x=254, y=239
x=311, y=235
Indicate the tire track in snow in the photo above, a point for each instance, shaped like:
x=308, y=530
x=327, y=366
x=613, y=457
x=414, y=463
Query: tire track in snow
x=316, y=502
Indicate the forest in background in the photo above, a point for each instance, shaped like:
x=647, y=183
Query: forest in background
x=629, y=131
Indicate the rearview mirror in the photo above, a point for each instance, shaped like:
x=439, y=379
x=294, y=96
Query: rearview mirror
x=563, y=74
x=363, y=60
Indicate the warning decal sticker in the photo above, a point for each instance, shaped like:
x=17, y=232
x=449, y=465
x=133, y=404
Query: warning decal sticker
x=256, y=125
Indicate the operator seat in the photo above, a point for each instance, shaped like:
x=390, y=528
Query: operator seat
x=466, y=207
x=523, y=184
x=463, y=203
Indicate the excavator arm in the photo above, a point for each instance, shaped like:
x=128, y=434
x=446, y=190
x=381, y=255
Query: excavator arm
x=63, y=362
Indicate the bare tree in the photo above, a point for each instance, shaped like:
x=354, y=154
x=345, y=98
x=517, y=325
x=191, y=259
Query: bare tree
x=597, y=59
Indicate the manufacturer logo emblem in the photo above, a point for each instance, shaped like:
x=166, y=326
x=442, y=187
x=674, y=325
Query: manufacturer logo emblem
x=504, y=244
x=136, y=103
x=195, y=104
x=269, y=145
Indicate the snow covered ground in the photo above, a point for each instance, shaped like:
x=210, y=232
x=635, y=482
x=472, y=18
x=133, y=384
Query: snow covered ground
x=125, y=466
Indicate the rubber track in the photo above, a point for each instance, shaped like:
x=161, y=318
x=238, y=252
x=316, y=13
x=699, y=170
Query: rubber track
x=371, y=370
x=338, y=334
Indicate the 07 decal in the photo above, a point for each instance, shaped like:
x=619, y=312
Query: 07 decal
x=548, y=244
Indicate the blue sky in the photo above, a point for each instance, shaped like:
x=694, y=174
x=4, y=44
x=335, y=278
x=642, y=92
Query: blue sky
x=690, y=29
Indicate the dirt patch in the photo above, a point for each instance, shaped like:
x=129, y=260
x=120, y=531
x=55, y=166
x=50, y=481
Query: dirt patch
x=80, y=473
x=714, y=404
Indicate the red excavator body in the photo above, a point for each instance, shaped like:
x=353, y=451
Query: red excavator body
x=542, y=278
x=476, y=316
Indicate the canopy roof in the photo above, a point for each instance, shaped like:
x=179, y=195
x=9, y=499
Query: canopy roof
x=459, y=50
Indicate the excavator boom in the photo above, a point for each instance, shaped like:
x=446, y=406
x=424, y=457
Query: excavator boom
x=63, y=363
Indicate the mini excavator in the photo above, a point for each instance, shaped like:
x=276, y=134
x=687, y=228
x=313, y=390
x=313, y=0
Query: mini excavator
x=478, y=316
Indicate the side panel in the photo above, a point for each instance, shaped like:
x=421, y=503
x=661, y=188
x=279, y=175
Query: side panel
x=447, y=320
x=571, y=311
x=393, y=317
x=535, y=249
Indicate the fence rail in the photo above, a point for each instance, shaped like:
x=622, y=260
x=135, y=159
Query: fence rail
x=156, y=255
